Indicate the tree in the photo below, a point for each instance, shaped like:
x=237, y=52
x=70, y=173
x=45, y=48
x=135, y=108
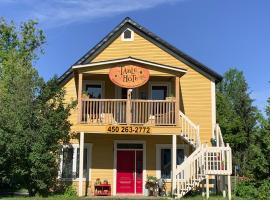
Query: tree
x=237, y=116
x=51, y=128
x=33, y=113
x=260, y=165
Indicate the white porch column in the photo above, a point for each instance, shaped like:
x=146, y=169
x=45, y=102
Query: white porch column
x=207, y=186
x=81, y=164
x=229, y=188
x=174, y=151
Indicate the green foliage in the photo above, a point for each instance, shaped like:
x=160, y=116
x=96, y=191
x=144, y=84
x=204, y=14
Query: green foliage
x=246, y=189
x=238, y=118
x=252, y=189
x=70, y=191
x=33, y=114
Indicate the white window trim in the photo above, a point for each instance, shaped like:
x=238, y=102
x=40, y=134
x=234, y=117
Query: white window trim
x=88, y=146
x=129, y=39
x=154, y=83
x=93, y=82
x=185, y=147
x=115, y=160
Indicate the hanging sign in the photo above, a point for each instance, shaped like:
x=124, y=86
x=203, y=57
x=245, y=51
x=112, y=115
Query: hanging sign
x=129, y=76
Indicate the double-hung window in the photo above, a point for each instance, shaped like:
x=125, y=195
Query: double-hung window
x=164, y=159
x=70, y=161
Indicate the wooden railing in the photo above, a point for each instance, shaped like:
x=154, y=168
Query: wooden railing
x=203, y=161
x=189, y=130
x=218, y=136
x=153, y=112
x=103, y=111
x=128, y=111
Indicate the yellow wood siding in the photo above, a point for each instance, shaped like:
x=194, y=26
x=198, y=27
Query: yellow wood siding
x=71, y=95
x=103, y=154
x=195, y=87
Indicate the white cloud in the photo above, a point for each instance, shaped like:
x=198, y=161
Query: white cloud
x=62, y=12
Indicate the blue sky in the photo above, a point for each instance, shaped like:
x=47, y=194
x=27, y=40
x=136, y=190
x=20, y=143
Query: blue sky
x=219, y=33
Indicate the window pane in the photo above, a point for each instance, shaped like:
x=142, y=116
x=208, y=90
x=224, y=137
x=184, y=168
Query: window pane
x=127, y=34
x=129, y=146
x=94, y=91
x=166, y=161
x=159, y=92
x=85, y=156
x=180, y=156
x=67, y=163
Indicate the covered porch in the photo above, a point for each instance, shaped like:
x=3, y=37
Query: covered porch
x=103, y=99
x=126, y=160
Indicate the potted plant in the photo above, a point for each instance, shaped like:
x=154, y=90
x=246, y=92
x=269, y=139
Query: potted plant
x=98, y=182
x=152, y=185
x=105, y=182
x=85, y=95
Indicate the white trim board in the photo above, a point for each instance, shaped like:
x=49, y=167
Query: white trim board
x=213, y=105
x=115, y=160
x=128, y=60
x=158, y=156
x=74, y=160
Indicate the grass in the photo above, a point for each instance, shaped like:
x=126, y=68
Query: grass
x=62, y=197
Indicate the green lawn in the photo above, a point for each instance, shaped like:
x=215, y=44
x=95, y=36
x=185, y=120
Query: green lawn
x=61, y=197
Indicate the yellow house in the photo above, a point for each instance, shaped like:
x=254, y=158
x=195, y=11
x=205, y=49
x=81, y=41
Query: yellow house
x=144, y=109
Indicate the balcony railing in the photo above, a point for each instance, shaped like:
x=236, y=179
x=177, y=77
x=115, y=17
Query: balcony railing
x=128, y=111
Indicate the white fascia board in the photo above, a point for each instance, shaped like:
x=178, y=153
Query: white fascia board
x=129, y=59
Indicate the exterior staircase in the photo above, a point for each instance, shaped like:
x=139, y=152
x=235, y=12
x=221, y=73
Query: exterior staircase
x=190, y=132
x=204, y=161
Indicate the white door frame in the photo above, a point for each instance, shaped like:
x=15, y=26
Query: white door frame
x=115, y=160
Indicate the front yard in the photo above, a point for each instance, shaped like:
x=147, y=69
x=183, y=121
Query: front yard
x=62, y=197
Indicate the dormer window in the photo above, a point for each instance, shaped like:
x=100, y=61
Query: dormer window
x=128, y=35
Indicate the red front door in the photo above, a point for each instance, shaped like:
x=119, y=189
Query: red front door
x=125, y=172
x=129, y=178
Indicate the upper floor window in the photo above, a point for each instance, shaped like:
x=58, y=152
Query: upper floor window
x=94, y=91
x=159, y=92
x=127, y=35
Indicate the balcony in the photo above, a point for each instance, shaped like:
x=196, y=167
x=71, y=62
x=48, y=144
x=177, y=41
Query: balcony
x=128, y=112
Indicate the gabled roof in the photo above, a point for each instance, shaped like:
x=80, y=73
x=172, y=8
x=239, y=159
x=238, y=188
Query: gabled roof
x=117, y=31
x=131, y=59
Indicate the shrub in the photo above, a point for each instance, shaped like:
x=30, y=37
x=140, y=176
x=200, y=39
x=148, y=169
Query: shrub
x=264, y=190
x=70, y=191
x=246, y=189
x=252, y=189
